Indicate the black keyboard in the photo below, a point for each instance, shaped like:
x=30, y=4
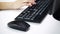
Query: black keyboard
x=37, y=12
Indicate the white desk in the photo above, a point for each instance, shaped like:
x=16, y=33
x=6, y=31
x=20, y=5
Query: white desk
x=48, y=26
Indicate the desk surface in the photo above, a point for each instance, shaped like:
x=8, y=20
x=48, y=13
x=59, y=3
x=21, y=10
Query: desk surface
x=48, y=26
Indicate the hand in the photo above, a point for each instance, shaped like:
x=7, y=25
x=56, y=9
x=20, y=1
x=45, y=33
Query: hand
x=17, y=4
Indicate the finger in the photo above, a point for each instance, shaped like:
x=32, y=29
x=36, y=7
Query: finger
x=33, y=2
x=29, y=4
